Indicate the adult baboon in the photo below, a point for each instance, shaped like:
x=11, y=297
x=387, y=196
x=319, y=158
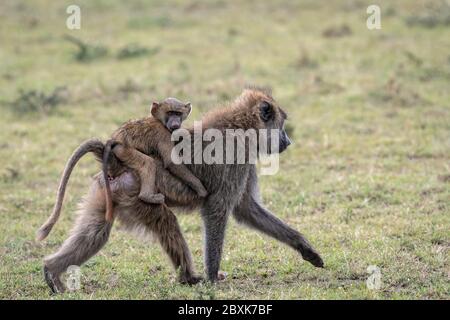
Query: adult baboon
x=232, y=188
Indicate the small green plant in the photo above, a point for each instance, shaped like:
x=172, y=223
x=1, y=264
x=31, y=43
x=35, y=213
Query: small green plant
x=437, y=14
x=394, y=93
x=304, y=61
x=134, y=50
x=33, y=101
x=337, y=31
x=87, y=52
x=148, y=22
x=9, y=175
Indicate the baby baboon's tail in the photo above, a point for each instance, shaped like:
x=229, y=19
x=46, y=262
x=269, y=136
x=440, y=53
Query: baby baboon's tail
x=91, y=145
x=109, y=216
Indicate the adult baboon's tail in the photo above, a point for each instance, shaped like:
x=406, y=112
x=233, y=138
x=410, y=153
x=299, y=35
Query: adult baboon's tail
x=92, y=145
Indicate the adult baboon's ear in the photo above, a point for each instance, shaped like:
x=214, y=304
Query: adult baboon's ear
x=154, y=108
x=266, y=111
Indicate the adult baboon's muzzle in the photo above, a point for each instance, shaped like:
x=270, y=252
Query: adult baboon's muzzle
x=284, y=141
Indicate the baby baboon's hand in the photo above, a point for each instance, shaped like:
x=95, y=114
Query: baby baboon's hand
x=201, y=191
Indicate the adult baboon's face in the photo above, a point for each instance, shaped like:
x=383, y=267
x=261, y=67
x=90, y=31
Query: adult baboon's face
x=272, y=118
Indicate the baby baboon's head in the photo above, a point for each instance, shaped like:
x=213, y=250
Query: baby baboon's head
x=171, y=112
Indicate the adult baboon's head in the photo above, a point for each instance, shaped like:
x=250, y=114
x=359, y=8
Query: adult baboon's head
x=265, y=116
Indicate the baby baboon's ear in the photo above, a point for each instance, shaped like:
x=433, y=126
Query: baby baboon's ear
x=188, y=108
x=154, y=108
x=266, y=111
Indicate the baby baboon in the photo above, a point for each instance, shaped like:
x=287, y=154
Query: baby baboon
x=150, y=136
x=233, y=188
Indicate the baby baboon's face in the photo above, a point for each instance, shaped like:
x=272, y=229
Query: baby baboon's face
x=171, y=112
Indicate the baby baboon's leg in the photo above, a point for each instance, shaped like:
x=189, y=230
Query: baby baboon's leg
x=163, y=223
x=146, y=169
x=89, y=234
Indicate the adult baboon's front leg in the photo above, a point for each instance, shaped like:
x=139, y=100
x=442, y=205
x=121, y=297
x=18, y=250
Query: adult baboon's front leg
x=256, y=216
x=215, y=220
x=252, y=213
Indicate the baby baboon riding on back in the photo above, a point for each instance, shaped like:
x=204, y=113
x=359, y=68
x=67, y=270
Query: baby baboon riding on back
x=136, y=139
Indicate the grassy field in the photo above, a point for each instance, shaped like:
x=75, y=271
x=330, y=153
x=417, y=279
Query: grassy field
x=367, y=179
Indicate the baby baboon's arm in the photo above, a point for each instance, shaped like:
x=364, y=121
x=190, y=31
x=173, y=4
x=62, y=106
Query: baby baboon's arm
x=180, y=170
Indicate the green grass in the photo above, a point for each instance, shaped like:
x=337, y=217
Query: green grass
x=367, y=179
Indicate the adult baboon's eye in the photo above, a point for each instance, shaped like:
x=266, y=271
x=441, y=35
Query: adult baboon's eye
x=266, y=111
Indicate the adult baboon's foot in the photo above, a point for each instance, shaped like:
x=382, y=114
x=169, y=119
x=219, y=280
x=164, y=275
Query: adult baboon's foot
x=221, y=275
x=310, y=255
x=53, y=281
x=190, y=279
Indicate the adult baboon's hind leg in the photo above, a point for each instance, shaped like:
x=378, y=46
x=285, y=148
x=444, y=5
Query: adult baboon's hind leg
x=164, y=225
x=89, y=234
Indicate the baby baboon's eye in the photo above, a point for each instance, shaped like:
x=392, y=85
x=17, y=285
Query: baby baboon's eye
x=266, y=111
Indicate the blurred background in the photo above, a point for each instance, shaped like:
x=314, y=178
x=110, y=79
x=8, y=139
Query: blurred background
x=367, y=179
